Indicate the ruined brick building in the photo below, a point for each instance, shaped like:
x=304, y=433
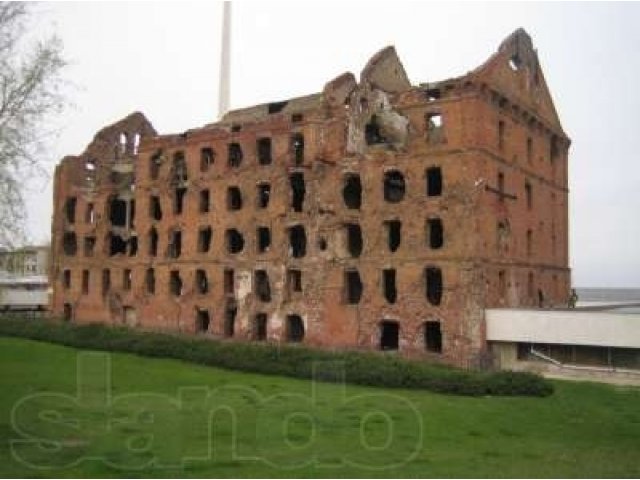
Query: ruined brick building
x=375, y=214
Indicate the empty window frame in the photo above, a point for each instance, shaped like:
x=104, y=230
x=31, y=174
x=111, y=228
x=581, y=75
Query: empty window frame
x=115, y=244
x=529, y=149
x=297, y=148
x=394, y=186
x=354, y=239
x=234, y=241
x=153, y=242
x=234, y=198
x=234, y=155
x=66, y=279
x=117, y=212
x=155, y=208
x=175, y=244
x=90, y=213
x=70, y=209
x=154, y=164
x=294, y=328
x=393, y=231
x=352, y=191
x=389, y=335
x=352, y=287
x=529, y=242
x=502, y=284
x=434, y=181
x=389, y=285
x=85, y=281
x=372, y=133
x=178, y=200
x=263, y=192
x=106, y=281
x=433, y=285
x=203, y=320
x=528, y=193
x=296, y=182
x=435, y=233
x=297, y=241
x=201, y=282
x=260, y=326
x=228, y=281
x=207, y=157
x=262, y=285
x=204, y=205
x=179, y=172
x=175, y=283
x=230, y=313
x=433, y=336
x=204, y=239
x=89, y=246
x=67, y=312
x=126, y=279
x=294, y=280
x=69, y=243
x=150, y=281
x=263, y=147
x=263, y=239
x=133, y=245
x=434, y=127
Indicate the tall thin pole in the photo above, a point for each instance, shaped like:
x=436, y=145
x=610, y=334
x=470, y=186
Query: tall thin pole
x=224, y=90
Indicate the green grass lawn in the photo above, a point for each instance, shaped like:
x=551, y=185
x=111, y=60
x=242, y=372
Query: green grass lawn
x=121, y=415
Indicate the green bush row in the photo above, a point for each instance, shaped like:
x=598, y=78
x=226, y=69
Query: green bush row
x=293, y=361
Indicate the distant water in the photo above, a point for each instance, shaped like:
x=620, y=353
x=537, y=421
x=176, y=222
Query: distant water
x=608, y=294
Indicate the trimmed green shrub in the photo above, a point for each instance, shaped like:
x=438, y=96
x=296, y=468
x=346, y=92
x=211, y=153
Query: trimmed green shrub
x=359, y=368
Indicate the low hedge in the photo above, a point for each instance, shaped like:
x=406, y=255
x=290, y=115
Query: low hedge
x=293, y=361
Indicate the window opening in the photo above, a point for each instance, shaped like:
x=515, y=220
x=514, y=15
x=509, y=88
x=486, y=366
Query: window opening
x=175, y=244
x=178, y=199
x=69, y=243
x=262, y=286
x=205, y=200
x=260, y=326
x=297, y=241
x=294, y=280
x=235, y=155
x=389, y=285
x=175, y=283
x=394, y=186
x=202, y=321
x=264, y=191
x=126, y=279
x=234, y=198
x=230, y=313
x=433, y=280
x=434, y=182
x=352, y=191
x=70, y=209
x=353, y=287
x=354, y=239
x=297, y=148
x=433, y=337
x=202, y=282
x=155, y=208
x=153, y=242
x=436, y=233
x=264, y=239
x=296, y=181
x=295, y=328
x=85, y=281
x=234, y=240
x=150, y=280
x=89, y=246
x=264, y=151
x=207, y=157
x=204, y=239
x=394, y=234
x=389, y=333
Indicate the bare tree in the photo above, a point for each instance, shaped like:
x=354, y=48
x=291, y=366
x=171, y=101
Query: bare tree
x=30, y=93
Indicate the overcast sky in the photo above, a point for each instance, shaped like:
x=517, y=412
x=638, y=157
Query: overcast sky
x=162, y=59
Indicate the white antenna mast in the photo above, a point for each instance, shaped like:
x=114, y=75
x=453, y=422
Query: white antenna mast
x=224, y=90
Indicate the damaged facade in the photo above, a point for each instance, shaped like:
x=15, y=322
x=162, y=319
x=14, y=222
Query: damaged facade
x=376, y=214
